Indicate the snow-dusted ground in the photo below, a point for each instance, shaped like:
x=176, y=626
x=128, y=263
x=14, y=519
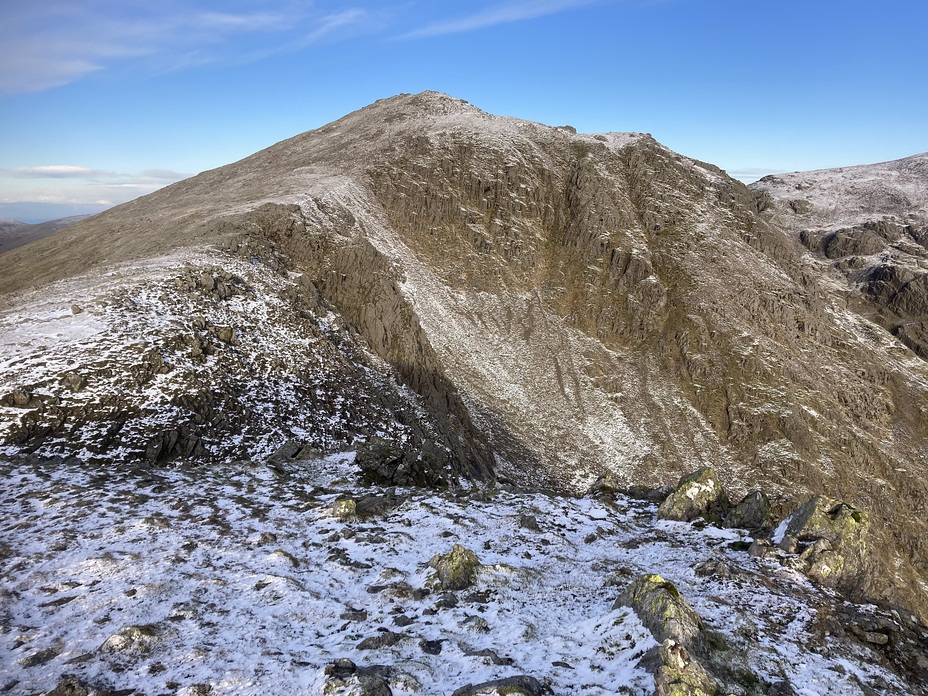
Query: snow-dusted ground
x=244, y=580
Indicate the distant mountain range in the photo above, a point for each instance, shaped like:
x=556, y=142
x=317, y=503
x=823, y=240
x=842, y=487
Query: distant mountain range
x=15, y=234
x=478, y=298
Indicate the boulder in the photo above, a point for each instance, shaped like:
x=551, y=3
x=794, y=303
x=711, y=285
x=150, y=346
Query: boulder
x=132, y=640
x=388, y=463
x=753, y=512
x=663, y=610
x=833, y=538
x=70, y=685
x=345, y=678
x=345, y=508
x=520, y=685
x=457, y=570
x=699, y=494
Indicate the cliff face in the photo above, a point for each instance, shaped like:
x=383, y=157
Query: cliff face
x=553, y=306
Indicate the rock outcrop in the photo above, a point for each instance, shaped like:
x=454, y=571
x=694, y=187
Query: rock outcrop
x=698, y=494
x=662, y=610
x=834, y=544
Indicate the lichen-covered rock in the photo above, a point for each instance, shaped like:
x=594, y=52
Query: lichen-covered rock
x=681, y=674
x=457, y=570
x=132, y=640
x=663, y=610
x=834, y=540
x=345, y=508
x=699, y=494
x=520, y=685
x=70, y=685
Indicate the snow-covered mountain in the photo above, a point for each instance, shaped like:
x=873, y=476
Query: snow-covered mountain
x=463, y=297
x=867, y=227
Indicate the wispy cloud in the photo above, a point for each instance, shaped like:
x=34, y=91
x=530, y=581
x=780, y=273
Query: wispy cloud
x=54, y=42
x=68, y=171
x=505, y=13
x=54, y=171
x=61, y=184
x=749, y=175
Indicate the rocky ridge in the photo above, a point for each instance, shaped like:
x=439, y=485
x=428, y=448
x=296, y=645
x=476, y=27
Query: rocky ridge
x=866, y=227
x=557, y=306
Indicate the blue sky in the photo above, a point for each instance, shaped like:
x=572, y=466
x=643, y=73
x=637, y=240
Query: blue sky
x=105, y=100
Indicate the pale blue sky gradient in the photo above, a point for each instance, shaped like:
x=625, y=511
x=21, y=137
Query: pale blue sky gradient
x=105, y=100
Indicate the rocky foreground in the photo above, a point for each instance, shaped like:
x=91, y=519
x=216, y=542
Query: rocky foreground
x=300, y=576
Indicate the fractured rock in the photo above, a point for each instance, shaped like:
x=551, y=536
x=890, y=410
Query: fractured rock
x=836, y=538
x=662, y=610
x=388, y=463
x=70, y=685
x=753, y=512
x=680, y=674
x=132, y=640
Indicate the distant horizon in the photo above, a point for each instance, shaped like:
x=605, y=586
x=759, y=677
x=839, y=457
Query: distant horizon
x=103, y=102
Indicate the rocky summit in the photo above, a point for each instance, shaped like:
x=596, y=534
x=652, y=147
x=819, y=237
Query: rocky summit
x=460, y=306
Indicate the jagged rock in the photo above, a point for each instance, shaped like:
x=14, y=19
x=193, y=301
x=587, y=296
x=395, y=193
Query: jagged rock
x=521, y=685
x=457, y=570
x=681, y=674
x=376, y=505
x=753, y=512
x=345, y=678
x=781, y=688
x=70, y=685
x=836, y=539
x=605, y=484
x=74, y=382
x=490, y=656
x=761, y=548
x=853, y=242
x=662, y=610
x=655, y=495
x=389, y=463
x=699, y=494
x=714, y=567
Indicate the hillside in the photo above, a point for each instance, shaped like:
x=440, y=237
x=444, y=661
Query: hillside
x=482, y=298
x=15, y=234
x=867, y=228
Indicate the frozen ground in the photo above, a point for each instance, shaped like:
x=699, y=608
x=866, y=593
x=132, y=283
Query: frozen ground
x=245, y=581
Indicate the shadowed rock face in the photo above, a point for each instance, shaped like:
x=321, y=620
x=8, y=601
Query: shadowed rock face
x=563, y=306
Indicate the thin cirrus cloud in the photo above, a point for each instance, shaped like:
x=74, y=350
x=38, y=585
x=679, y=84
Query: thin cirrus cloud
x=53, y=43
x=506, y=13
x=66, y=171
